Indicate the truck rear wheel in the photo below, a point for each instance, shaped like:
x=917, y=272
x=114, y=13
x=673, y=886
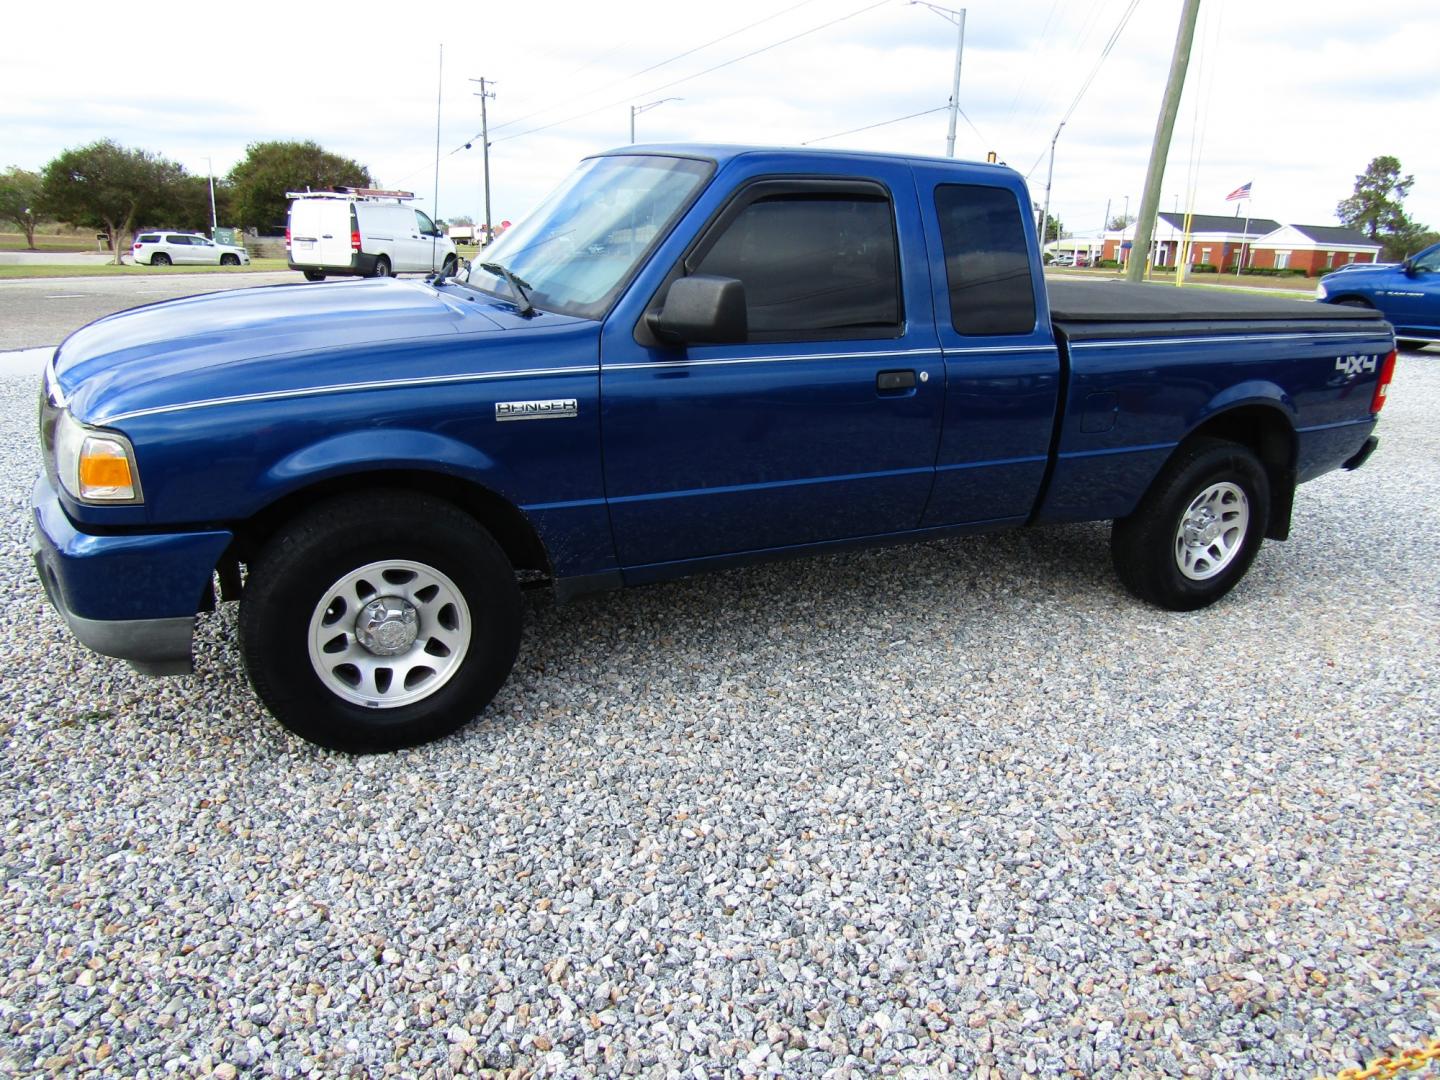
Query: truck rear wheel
x=314, y=275
x=378, y=621
x=1198, y=528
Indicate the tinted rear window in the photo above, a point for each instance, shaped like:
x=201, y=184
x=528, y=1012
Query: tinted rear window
x=987, y=265
x=148, y=238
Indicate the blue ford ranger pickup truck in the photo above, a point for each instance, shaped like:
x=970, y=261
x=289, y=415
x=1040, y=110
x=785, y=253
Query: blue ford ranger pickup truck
x=686, y=358
x=1407, y=294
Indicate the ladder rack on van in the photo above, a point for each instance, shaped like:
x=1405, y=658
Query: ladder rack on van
x=369, y=194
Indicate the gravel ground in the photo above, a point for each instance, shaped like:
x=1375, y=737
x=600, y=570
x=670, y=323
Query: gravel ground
x=961, y=808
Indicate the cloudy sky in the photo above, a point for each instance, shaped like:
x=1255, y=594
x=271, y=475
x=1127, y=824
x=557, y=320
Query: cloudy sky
x=1296, y=95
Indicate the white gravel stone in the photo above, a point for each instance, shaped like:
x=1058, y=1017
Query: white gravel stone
x=958, y=809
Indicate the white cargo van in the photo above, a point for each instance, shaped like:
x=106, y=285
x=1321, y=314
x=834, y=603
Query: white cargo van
x=363, y=232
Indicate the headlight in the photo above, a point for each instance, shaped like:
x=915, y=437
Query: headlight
x=1319, y=292
x=94, y=465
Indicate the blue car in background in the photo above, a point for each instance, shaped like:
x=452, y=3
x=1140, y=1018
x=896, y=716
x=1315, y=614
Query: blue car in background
x=1406, y=293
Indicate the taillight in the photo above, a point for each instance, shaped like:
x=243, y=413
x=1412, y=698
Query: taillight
x=354, y=239
x=1382, y=388
x=287, y=237
x=137, y=245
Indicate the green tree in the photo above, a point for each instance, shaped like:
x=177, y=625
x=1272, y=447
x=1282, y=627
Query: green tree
x=1054, y=228
x=1121, y=222
x=259, y=183
x=105, y=185
x=20, y=200
x=1377, y=205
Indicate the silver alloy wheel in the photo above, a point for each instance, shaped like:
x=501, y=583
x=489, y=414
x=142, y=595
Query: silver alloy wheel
x=389, y=633
x=1212, y=531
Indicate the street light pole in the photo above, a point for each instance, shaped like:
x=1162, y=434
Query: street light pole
x=958, y=18
x=1049, y=175
x=636, y=110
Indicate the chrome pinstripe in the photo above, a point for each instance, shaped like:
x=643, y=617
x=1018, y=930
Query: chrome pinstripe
x=345, y=388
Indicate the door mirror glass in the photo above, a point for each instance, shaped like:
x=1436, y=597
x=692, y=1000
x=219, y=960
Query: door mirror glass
x=702, y=309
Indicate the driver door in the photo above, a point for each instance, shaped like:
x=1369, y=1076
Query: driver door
x=824, y=424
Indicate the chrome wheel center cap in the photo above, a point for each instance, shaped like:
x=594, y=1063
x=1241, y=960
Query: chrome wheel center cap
x=1202, y=528
x=387, y=626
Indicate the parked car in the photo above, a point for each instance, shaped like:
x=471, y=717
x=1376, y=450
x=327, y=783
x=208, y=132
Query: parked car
x=1406, y=293
x=363, y=232
x=1082, y=259
x=180, y=249
x=1065, y=259
x=808, y=350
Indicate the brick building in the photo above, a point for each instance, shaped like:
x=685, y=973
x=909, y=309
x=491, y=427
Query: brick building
x=1316, y=249
x=1222, y=241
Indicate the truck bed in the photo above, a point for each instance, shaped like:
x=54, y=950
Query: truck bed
x=1122, y=309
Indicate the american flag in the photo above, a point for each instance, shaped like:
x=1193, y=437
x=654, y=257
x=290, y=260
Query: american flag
x=1241, y=192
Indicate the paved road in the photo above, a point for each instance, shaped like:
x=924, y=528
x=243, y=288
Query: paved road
x=42, y=311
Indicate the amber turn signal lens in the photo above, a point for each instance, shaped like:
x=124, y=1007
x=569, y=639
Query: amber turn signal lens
x=105, y=471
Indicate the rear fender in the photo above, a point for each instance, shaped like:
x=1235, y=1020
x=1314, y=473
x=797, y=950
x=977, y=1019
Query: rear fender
x=1259, y=415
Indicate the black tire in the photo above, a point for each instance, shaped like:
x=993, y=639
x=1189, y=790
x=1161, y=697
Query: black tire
x=159, y=259
x=304, y=566
x=448, y=267
x=314, y=275
x=1151, y=548
x=1356, y=301
x=229, y=260
x=382, y=267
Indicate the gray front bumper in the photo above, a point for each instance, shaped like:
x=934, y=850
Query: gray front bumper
x=152, y=646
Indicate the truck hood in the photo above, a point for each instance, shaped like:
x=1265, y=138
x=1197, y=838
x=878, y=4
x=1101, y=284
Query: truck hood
x=279, y=337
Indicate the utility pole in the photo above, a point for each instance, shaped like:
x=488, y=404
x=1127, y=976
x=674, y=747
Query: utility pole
x=214, y=222
x=1160, y=150
x=483, y=93
x=1050, y=175
x=958, y=19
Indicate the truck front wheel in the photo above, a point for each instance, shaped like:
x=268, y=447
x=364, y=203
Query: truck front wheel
x=378, y=621
x=1198, y=528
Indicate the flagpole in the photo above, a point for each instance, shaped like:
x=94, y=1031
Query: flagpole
x=1241, y=262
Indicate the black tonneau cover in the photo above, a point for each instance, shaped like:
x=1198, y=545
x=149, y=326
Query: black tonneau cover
x=1091, y=309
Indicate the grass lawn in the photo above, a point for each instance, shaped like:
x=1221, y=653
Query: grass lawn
x=14, y=241
x=110, y=270
x=1290, y=287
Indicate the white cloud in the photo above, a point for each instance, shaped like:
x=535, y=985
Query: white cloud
x=1296, y=96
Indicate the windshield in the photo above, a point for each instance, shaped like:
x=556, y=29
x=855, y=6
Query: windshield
x=578, y=249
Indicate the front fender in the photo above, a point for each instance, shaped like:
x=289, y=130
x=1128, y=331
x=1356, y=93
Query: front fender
x=385, y=449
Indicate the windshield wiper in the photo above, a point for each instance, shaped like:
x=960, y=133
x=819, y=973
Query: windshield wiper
x=526, y=307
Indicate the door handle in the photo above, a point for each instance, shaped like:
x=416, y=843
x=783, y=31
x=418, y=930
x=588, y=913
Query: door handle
x=890, y=381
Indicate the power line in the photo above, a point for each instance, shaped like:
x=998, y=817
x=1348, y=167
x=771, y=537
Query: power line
x=1099, y=63
x=688, y=78
x=662, y=63
x=882, y=123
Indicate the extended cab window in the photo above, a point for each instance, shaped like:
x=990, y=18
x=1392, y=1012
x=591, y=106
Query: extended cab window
x=986, y=263
x=813, y=266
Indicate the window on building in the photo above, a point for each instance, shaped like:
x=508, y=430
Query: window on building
x=1282, y=260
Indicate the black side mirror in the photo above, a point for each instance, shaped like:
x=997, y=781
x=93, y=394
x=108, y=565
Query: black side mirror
x=702, y=309
x=1408, y=265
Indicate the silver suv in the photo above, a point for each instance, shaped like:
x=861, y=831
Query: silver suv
x=166, y=248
